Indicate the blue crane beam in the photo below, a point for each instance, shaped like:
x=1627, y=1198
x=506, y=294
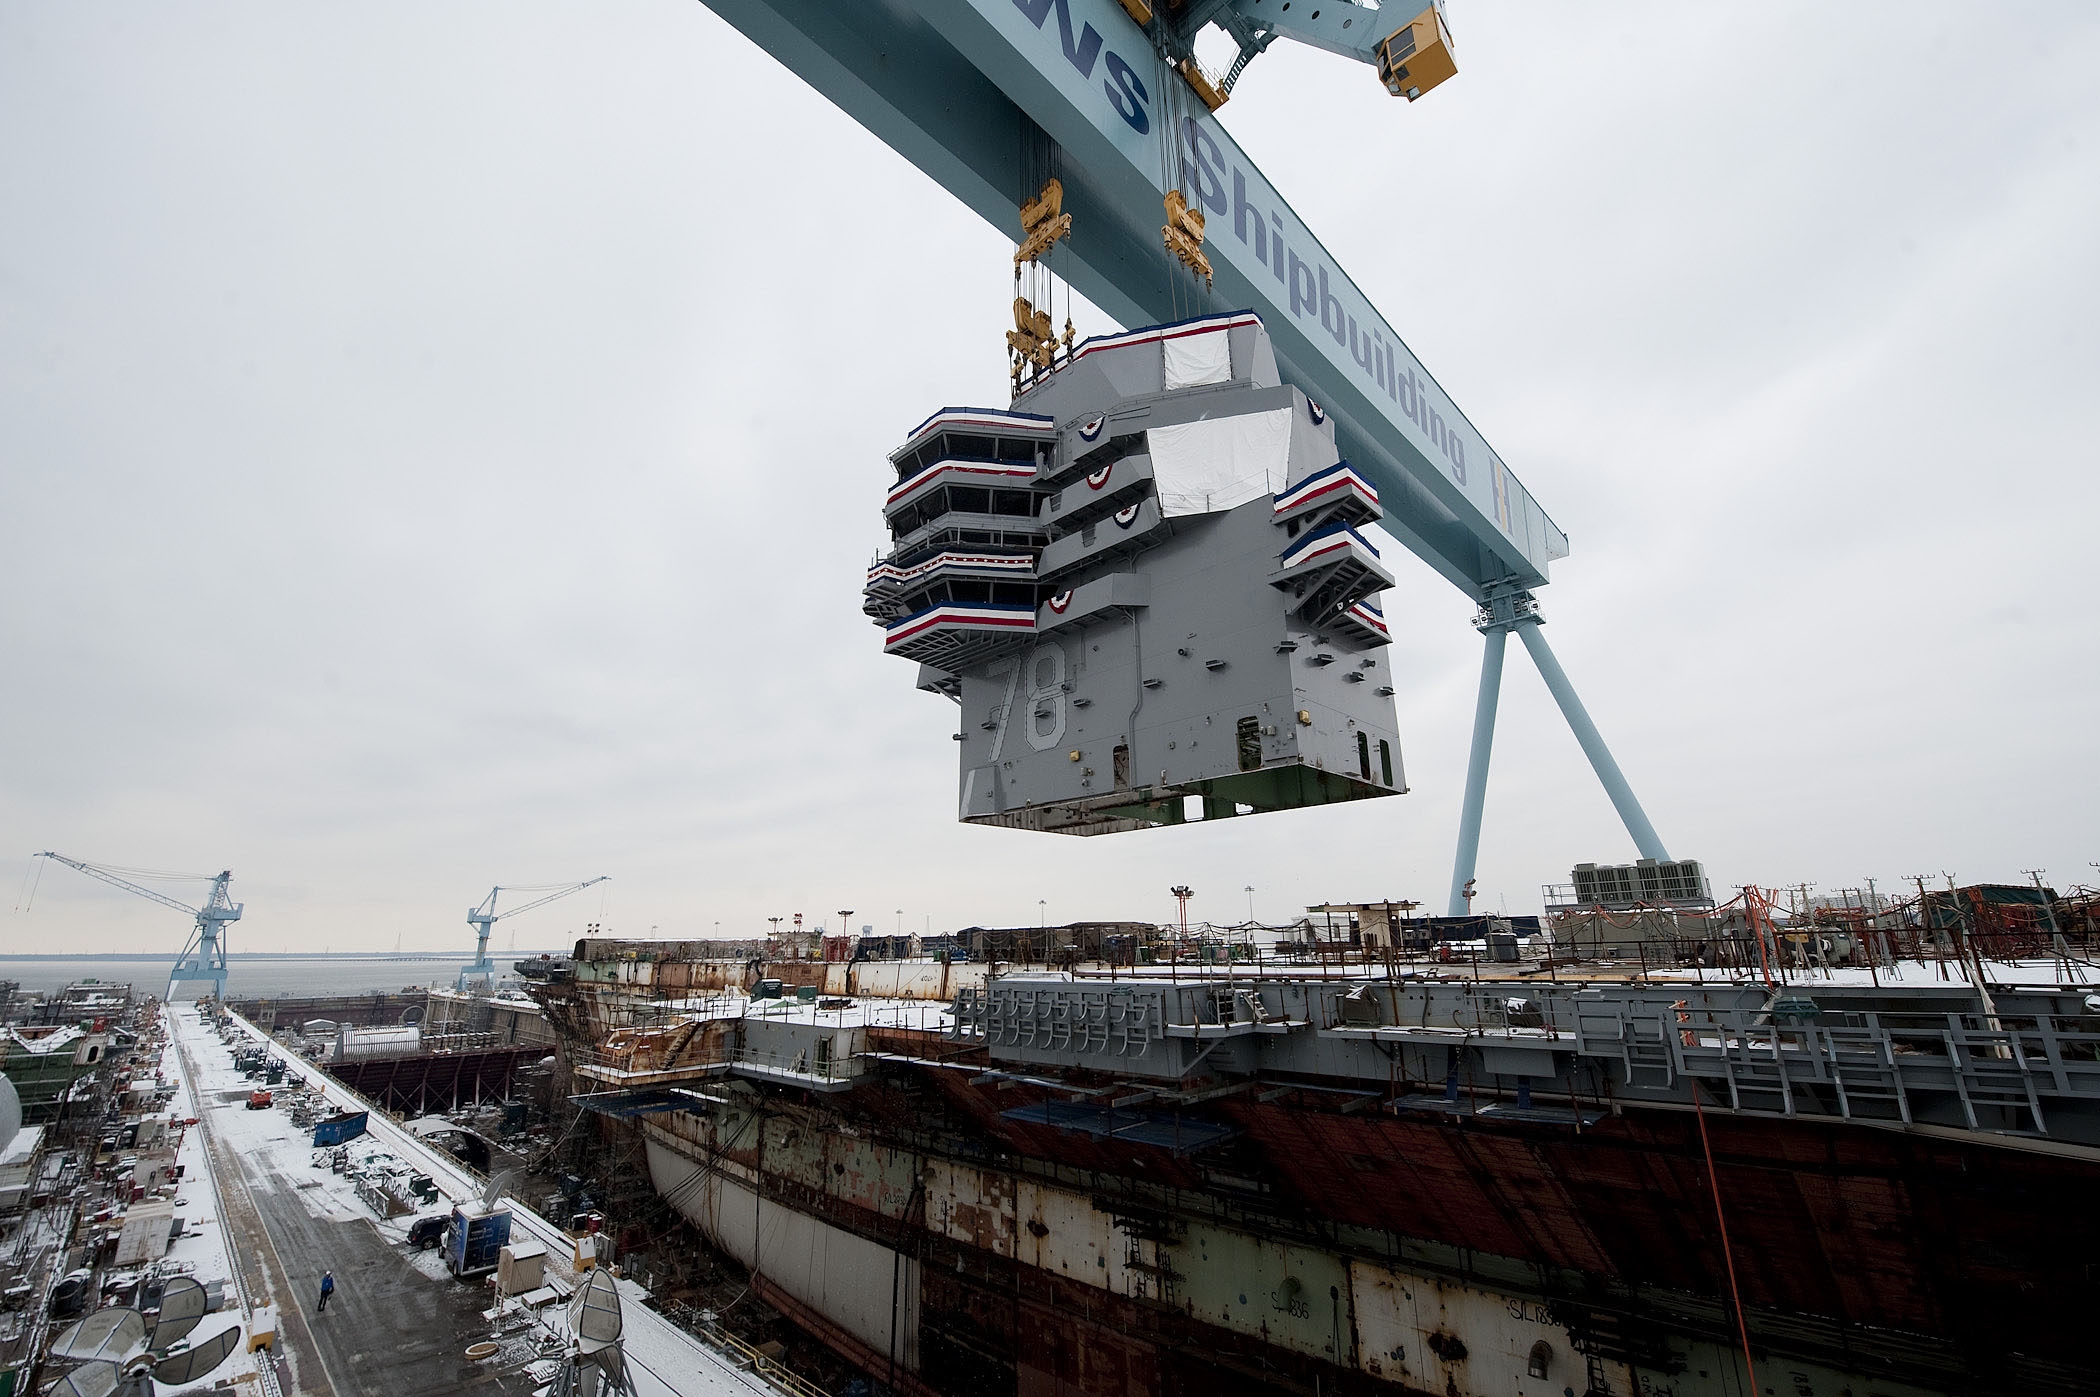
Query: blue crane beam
x=977, y=92
x=102, y=874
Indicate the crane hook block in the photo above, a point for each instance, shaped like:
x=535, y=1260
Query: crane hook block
x=1417, y=56
x=1043, y=222
x=1033, y=340
x=1183, y=234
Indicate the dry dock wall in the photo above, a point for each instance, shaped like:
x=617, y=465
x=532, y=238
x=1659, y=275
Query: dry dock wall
x=869, y=1290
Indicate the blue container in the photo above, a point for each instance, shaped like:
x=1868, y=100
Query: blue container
x=338, y=1129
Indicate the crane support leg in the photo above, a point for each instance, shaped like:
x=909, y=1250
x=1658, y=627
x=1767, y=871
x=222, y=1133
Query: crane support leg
x=1607, y=769
x=1477, y=768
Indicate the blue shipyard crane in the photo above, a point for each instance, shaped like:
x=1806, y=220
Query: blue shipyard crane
x=485, y=915
x=989, y=96
x=203, y=957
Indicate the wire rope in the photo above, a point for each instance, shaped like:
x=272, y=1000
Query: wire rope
x=156, y=875
x=31, y=881
x=1713, y=1182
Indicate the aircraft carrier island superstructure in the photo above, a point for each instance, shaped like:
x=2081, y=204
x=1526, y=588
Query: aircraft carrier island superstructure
x=1148, y=587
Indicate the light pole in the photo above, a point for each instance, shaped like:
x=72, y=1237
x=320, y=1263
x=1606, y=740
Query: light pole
x=1042, y=913
x=1250, y=904
x=845, y=926
x=1182, y=893
x=900, y=921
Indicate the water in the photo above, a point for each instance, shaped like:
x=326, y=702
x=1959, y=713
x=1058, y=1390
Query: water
x=252, y=974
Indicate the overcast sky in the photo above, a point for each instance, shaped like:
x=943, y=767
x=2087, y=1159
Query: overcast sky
x=440, y=445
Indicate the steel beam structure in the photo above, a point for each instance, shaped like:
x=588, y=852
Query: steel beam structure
x=1506, y=610
x=1477, y=771
x=1601, y=760
x=412, y=1084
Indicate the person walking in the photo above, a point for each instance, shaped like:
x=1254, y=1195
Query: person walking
x=327, y=1289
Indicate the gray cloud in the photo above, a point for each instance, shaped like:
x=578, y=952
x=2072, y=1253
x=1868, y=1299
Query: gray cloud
x=440, y=445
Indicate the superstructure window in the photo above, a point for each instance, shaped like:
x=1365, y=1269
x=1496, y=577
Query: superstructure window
x=962, y=499
x=1363, y=754
x=1385, y=760
x=968, y=446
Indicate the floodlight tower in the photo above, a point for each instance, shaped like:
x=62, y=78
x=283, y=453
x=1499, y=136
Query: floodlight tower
x=203, y=957
x=484, y=916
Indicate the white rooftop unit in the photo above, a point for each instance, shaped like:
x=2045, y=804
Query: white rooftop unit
x=1656, y=882
x=387, y=1041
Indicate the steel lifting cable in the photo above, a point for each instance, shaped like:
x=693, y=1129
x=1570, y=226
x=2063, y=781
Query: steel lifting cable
x=1023, y=159
x=1039, y=270
x=31, y=880
x=1166, y=167
x=1713, y=1182
x=158, y=873
x=1026, y=276
x=1057, y=172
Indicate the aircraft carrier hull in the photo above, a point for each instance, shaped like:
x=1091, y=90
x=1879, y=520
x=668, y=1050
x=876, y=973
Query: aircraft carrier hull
x=919, y=1224
x=1385, y=1175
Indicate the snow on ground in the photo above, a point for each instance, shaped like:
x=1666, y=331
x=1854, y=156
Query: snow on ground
x=202, y=1245
x=663, y=1360
x=1999, y=974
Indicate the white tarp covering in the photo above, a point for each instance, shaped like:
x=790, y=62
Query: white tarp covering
x=1194, y=360
x=1220, y=463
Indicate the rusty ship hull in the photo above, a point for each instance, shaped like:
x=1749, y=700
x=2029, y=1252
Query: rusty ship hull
x=953, y=1220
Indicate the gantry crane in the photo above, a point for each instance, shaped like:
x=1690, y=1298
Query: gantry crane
x=1107, y=97
x=203, y=958
x=483, y=917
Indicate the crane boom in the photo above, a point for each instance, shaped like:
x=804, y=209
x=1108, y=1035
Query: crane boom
x=104, y=875
x=484, y=916
x=975, y=92
x=555, y=896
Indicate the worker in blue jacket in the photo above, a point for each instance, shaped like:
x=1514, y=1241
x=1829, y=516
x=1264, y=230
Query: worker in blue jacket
x=327, y=1289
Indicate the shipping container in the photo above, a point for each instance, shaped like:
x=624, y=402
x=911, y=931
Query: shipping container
x=337, y=1129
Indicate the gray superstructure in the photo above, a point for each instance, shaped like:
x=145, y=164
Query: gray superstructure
x=1147, y=587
